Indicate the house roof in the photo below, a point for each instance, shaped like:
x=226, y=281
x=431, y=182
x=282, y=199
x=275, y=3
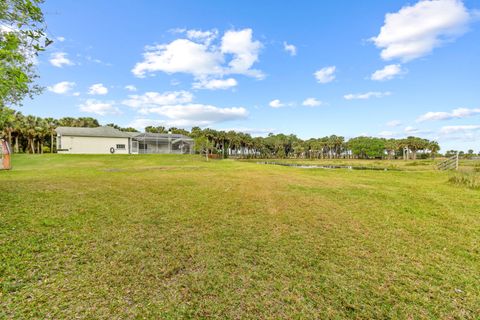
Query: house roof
x=110, y=132
x=149, y=135
x=104, y=131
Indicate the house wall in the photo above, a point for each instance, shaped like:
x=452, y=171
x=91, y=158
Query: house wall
x=92, y=145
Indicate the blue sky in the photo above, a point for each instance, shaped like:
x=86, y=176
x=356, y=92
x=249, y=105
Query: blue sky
x=312, y=68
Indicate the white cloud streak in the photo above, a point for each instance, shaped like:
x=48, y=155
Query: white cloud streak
x=311, y=102
x=215, y=84
x=458, y=113
x=387, y=73
x=459, y=129
x=367, y=95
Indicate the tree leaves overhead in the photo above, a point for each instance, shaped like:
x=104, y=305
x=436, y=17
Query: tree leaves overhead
x=22, y=37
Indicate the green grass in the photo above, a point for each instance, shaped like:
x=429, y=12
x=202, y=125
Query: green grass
x=168, y=237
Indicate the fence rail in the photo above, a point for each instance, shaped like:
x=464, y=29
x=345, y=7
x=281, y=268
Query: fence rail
x=449, y=164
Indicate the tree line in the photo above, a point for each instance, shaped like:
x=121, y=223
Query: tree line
x=243, y=145
x=31, y=134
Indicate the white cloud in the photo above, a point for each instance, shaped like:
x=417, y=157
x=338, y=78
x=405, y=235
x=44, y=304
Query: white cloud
x=325, y=75
x=97, y=89
x=393, y=123
x=203, y=36
x=180, y=56
x=290, y=48
x=215, y=84
x=412, y=130
x=189, y=115
x=245, y=52
x=59, y=59
x=62, y=87
x=131, y=88
x=459, y=129
x=99, y=107
x=276, y=104
x=458, y=113
x=311, y=102
x=76, y=94
x=235, y=54
x=155, y=99
x=367, y=95
x=387, y=73
x=416, y=30
x=60, y=39
x=95, y=60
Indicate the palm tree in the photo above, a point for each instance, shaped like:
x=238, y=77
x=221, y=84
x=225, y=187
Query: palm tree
x=434, y=147
x=51, y=125
x=391, y=145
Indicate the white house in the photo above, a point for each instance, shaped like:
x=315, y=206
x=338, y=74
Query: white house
x=93, y=140
x=110, y=140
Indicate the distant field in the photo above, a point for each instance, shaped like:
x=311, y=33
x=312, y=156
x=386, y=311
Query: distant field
x=167, y=237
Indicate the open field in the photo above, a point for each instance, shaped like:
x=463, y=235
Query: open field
x=115, y=237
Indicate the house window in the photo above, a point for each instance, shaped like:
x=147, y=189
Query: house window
x=120, y=146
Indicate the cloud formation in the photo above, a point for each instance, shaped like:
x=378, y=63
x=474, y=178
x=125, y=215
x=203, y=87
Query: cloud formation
x=154, y=99
x=311, y=102
x=276, y=103
x=387, y=73
x=177, y=109
x=215, y=84
x=130, y=88
x=325, y=75
x=458, y=113
x=393, y=123
x=205, y=57
x=97, y=89
x=415, y=30
x=99, y=107
x=63, y=87
x=290, y=48
x=367, y=95
x=60, y=59
x=459, y=129
x=189, y=115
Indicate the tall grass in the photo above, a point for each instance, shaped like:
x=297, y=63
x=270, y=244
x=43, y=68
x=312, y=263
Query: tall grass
x=468, y=179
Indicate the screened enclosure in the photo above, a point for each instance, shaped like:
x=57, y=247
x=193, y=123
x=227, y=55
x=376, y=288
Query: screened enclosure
x=151, y=143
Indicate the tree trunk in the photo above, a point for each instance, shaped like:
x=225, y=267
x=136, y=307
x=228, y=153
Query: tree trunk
x=51, y=142
x=16, y=149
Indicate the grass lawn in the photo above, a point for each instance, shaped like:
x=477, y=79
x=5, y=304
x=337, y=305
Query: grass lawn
x=116, y=237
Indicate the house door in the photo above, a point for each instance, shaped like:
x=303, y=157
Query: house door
x=134, y=147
